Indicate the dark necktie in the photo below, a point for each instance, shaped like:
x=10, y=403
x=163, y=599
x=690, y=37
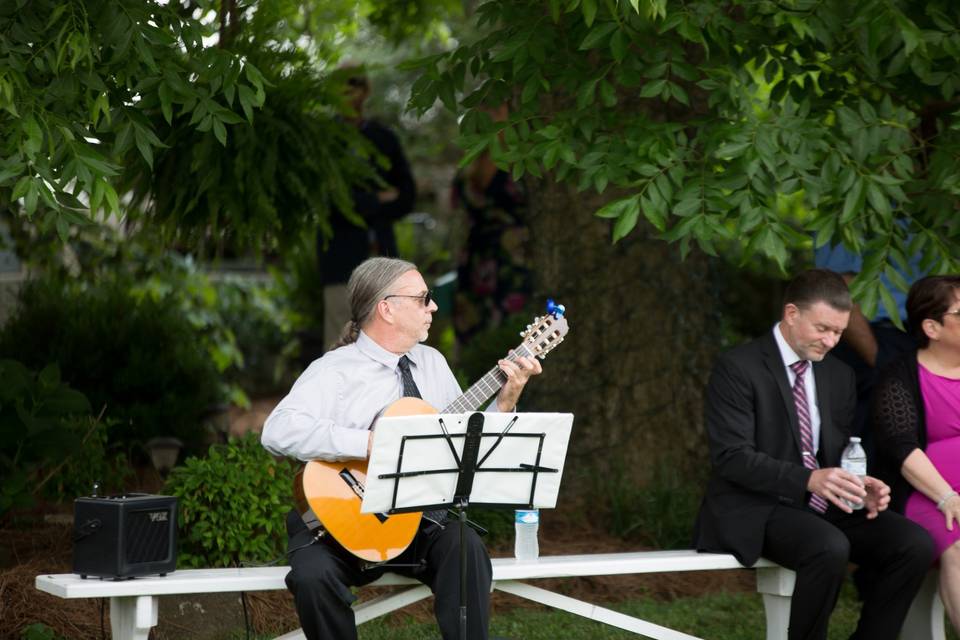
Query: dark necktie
x=817, y=503
x=410, y=390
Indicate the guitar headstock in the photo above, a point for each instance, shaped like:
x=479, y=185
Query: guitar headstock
x=545, y=332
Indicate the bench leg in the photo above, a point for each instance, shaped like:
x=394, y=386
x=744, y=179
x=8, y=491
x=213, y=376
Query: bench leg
x=925, y=618
x=587, y=610
x=775, y=584
x=132, y=617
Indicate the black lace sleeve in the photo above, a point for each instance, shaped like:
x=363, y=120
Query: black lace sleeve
x=896, y=419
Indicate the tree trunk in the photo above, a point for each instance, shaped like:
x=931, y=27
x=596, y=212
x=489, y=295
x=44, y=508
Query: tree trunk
x=643, y=335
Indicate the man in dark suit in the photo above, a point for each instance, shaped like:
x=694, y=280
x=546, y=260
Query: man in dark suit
x=778, y=415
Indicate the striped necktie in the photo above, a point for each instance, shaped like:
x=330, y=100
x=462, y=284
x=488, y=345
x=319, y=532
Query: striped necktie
x=799, y=367
x=410, y=389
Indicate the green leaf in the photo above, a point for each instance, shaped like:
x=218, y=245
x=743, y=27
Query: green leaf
x=878, y=200
x=617, y=208
x=608, y=96
x=627, y=221
x=477, y=146
x=143, y=145
x=730, y=150
x=653, y=88
x=853, y=203
x=586, y=94
x=550, y=132
x=530, y=89
x=618, y=45
x=220, y=132
x=890, y=305
x=655, y=213
x=679, y=93
x=664, y=188
x=896, y=278
x=113, y=201
x=20, y=189
x=912, y=37
x=598, y=35
x=63, y=229
x=589, y=8
x=247, y=100
x=687, y=207
x=30, y=199
x=166, y=101
x=34, y=135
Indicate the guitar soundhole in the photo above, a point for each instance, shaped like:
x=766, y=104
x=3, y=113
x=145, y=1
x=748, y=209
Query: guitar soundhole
x=357, y=488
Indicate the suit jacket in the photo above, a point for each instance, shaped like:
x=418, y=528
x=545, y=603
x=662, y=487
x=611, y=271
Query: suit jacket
x=754, y=442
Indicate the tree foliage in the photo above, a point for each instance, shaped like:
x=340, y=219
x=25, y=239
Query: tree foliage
x=196, y=119
x=746, y=127
x=77, y=80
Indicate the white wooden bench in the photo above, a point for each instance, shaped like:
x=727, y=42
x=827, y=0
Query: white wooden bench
x=134, y=604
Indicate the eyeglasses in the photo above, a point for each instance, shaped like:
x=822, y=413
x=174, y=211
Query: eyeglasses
x=426, y=298
x=955, y=312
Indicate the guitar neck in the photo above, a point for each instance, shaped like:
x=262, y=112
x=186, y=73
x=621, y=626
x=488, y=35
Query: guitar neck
x=484, y=388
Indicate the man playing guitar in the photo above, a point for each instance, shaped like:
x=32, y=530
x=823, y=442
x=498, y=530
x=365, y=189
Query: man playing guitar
x=328, y=415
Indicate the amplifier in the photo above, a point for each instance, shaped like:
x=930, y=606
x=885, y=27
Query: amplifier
x=124, y=536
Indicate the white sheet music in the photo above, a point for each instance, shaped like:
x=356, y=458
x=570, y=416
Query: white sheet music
x=520, y=446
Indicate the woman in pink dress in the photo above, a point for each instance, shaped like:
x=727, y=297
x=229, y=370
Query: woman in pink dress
x=916, y=417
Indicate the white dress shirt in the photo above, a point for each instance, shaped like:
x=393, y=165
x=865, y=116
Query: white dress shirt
x=789, y=357
x=332, y=405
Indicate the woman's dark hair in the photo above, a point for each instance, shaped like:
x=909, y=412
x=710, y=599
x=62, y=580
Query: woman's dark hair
x=818, y=285
x=929, y=298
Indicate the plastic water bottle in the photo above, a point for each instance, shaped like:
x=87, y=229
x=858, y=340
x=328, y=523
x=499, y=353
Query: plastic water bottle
x=854, y=460
x=526, y=524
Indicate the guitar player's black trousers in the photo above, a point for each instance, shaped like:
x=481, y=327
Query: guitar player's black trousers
x=322, y=573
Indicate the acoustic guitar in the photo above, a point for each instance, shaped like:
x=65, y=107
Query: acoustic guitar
x=334, y=490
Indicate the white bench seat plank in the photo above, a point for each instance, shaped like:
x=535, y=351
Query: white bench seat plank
x=69, y=585
x=609, y=564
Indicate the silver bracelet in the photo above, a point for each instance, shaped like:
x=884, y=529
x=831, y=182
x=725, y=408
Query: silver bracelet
x=944, y=499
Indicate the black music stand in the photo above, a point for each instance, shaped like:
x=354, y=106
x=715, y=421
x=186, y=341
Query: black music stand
x=427, y=462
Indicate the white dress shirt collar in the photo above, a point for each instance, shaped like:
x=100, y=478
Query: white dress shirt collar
x=370, y=348
x=787, y=354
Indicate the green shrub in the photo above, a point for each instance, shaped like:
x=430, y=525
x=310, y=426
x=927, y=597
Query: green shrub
x=174, y=281
x=661, y=512
x=257, y=316
x=39, y=631
x=233, y=505
x=497, y=522
x=50, y=445
x=141, y=362
x=95, y=459
x=244, y=325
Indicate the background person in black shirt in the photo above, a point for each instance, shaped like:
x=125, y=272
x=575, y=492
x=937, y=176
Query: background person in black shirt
x=378, y=205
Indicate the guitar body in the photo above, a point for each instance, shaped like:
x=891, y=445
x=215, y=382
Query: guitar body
x=321, y=487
